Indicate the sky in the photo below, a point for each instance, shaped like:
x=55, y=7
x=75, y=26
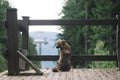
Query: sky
x=39, y=9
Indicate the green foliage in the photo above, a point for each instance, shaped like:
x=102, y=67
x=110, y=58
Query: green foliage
x=99, y=49
x=32, y=50
x=95, y=40
x=102, y=64
x=3, y=63
x=31, y=47
x=3, y=6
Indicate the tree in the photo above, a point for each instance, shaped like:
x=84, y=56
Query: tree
x=83, y=39
x=100, y=50
x=3, y=6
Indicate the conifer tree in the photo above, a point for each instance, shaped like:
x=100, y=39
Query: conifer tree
x=83, y=39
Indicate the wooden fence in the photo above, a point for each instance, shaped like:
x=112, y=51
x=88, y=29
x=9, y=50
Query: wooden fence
x=13, y=26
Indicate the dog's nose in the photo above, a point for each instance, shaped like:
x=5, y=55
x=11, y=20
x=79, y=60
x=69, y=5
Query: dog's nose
x=58, y=46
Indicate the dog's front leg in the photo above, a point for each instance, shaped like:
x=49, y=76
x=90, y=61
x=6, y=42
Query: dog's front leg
x=58, y=67
x=60, y=56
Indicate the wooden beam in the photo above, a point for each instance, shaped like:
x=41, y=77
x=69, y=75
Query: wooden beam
x=12, y=34
x=74, y=22
x=30, y=63
x=74, y=57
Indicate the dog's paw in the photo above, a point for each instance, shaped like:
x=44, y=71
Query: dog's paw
x=55, y=69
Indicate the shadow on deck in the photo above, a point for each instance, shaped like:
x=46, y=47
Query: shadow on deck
x=74, y=74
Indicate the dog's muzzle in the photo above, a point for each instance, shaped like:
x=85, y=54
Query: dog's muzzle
x=59, y=46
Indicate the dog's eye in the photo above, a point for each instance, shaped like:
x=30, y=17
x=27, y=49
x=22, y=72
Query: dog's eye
x=62, y=45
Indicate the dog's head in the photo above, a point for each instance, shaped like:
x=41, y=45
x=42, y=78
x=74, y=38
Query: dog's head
x=62, y=44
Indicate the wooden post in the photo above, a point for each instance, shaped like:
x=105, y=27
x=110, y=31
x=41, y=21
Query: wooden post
x=25, y=32
x=12, y=33
x=25, y=36
x=118, y=42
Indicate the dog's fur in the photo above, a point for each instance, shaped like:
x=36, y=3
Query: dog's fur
x=64, y=63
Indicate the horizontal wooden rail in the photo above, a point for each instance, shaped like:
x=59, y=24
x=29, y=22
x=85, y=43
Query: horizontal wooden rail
x=74, y=58
x=73, y=22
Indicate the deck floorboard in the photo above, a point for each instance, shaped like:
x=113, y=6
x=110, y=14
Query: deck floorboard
x=74, y=74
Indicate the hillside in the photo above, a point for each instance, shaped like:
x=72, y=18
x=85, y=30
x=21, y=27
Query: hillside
x=45, y=45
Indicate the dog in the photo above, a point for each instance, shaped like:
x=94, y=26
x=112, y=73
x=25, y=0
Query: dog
x=64, y=61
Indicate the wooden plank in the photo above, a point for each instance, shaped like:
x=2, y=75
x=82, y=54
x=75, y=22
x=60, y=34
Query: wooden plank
x=43, y=57
x=70, y=75
x=12, y=33
x=90, y=75
x=30, y=63
x=95, y=58
x=49, y=74
x=82, y=75
x=106, y=75
x=56, y=76
x=116, y=73
x=99, y=74
x=76, y=75
x=73, y=22
x=22, y=63
x=74, y=57
x=62, y=76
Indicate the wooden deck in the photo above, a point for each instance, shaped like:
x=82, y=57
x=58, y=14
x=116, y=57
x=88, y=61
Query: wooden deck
x=74, y=74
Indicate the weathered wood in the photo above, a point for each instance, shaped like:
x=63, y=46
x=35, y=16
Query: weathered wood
x=118, y=42
x=25, y=32
x=25, y=35
x=22, y=62
x=74, y=57
x=76, y=74
x=30, y=63
x=73, y=22
x=12, y=33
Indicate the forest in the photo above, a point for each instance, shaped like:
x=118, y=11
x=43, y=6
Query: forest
x=91, y=40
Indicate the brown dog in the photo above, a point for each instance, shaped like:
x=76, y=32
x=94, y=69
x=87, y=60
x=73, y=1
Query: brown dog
x=64, y=63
